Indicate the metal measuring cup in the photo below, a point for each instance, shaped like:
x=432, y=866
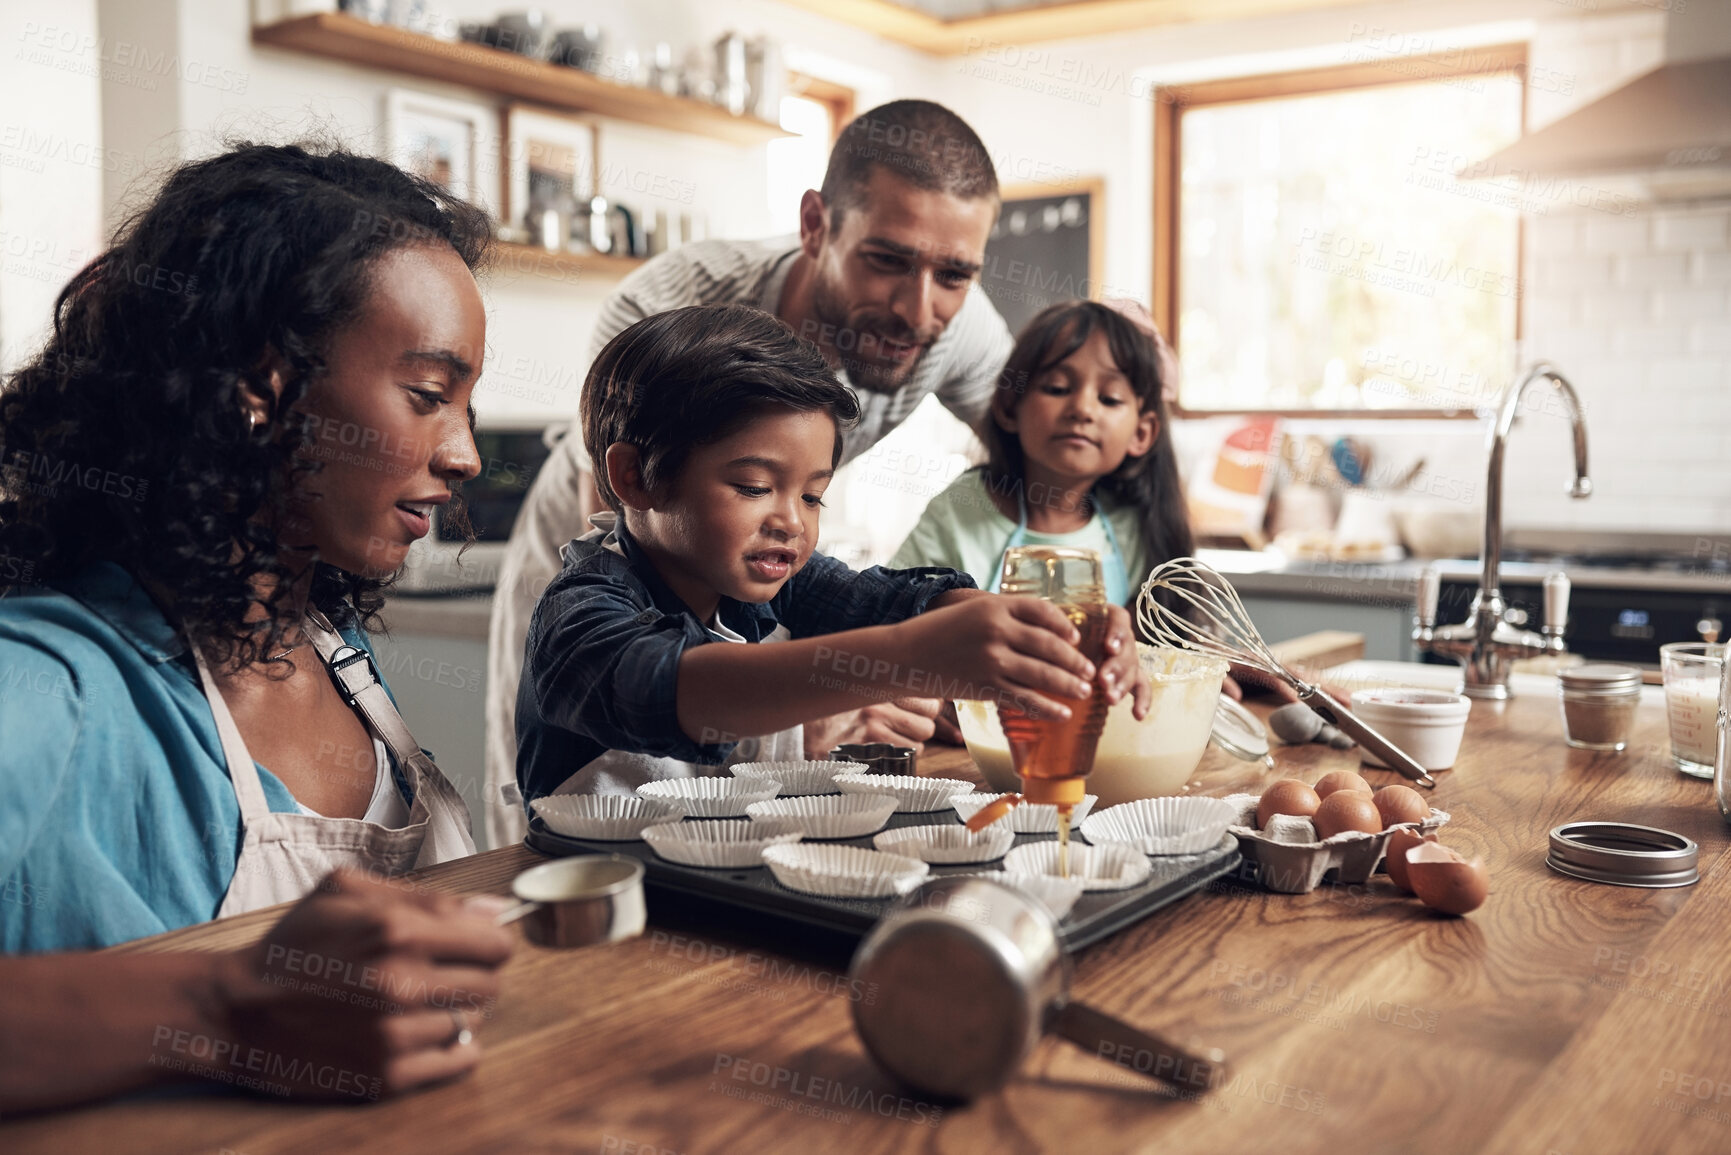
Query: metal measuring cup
x=579, y=901
x=969, y=975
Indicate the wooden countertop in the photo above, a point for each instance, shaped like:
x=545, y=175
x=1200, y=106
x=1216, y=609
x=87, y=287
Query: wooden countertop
x=1562, y=1016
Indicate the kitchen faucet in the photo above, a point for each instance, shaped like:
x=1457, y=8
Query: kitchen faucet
x=1490, y=641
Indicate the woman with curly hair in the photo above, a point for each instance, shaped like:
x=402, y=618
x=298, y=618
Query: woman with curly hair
x=247, y=409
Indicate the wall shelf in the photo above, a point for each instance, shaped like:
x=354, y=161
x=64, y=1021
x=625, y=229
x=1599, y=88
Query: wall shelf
x=338, y=36
x=514, y=260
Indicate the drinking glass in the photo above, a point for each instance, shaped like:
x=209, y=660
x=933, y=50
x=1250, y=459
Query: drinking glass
x=1691, y=672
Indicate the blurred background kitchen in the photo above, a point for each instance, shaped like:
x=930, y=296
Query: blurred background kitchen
x=1360, y=222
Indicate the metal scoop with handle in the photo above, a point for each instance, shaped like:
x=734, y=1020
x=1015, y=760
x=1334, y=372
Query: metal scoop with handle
x=1214, y=621
x=968, y=975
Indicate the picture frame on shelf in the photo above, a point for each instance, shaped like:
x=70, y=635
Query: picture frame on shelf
x=551, y=163
x=451, y=143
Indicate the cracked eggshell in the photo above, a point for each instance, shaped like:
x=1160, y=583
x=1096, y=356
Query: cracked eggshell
x=1445, y=881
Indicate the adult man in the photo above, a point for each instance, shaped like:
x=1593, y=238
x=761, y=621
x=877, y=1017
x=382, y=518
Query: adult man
x=881, y=278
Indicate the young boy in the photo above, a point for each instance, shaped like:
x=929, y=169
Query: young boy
x=716, y=431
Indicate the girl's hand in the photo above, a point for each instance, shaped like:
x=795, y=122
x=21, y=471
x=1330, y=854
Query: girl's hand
x=363, y=990
x=1122, y=668
x=993, y=646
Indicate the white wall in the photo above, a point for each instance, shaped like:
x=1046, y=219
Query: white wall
x=51, y=164
x=1633, y=308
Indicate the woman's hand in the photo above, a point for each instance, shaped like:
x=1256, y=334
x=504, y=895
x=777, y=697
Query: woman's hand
x=363, y=989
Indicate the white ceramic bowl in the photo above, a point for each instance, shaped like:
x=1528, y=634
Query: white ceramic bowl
x=603, y=817
x=1426, y=724
x=913, y=794
x=711, y=797
x=1135, y=759
x=1024, y=817
x=730, y=844
x=797, y=778
x=829, y=815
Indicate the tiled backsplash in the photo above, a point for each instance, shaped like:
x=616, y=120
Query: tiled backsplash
x=1634, y=310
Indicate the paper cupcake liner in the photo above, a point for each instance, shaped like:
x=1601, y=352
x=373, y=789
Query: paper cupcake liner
x=798, y=778
x=948, y=843
x=829, y=815
x=913, y=794
x=1025, y=817
x=603, y=817
x=843, y=871
x=1114, y=866
x=1058, y=895
x=729, y=844
x=1163, y=825
x=711, y=797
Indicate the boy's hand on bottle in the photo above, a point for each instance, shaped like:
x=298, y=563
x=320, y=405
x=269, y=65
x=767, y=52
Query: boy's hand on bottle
x=996, y=646
x=1122, y=668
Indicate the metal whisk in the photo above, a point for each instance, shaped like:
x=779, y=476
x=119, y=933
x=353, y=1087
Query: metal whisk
x=1209, y=617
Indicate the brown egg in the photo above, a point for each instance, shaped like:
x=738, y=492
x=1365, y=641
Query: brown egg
x=1346, y=810
x=1340, y=780
x=1401, y=804
x=1394, y=861
x=1287, y=796
x=1445, y=881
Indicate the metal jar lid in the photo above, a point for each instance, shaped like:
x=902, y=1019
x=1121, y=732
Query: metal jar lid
x=1607, y=678
x=1623, y=854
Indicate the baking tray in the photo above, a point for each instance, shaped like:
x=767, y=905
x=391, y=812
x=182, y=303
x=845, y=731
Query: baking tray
x=753, y=890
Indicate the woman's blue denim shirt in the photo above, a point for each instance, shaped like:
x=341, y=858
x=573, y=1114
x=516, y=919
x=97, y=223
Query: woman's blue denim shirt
x=117, y=818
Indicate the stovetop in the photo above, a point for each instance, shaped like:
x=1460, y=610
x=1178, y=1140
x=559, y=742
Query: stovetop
x=1716, y=563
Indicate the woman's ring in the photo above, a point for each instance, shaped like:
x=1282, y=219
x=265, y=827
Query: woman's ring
x=462, y=1036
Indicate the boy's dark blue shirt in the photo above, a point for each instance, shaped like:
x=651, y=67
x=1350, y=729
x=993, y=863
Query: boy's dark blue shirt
x=601, y=665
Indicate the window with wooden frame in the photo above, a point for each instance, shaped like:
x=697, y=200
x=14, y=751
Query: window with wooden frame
x=1314, y=253
x=815, y=111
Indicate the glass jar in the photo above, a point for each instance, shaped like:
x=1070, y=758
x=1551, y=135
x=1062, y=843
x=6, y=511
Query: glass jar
x=1598, y=702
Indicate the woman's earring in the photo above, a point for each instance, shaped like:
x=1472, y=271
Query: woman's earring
x=251, y=420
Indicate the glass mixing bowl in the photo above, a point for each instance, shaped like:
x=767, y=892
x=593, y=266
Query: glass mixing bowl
x=1135, y=759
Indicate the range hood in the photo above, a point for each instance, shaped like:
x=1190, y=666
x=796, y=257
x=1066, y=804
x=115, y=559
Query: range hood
x=1664, y=136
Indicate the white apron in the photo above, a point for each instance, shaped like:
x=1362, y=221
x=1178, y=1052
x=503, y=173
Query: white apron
x=283, y=857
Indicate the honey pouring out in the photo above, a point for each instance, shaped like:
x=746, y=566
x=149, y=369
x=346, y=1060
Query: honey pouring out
x=1053, y=755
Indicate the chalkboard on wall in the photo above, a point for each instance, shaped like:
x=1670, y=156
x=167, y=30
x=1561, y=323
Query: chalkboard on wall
x=1048, y=246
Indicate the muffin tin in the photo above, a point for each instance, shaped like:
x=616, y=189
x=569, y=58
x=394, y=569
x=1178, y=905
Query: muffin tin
x=754, y=892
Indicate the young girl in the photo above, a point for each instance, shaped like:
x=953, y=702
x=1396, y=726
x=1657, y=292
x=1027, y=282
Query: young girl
x=1080, y=455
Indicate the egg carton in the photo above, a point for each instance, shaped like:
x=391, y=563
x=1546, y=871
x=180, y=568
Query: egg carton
x=1352, y=856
